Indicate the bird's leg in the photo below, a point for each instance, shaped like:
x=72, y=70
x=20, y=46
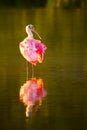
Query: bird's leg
x=27, y=70
x=32, y=70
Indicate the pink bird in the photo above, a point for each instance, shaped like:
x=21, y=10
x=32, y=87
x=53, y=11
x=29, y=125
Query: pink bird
x=32, y=49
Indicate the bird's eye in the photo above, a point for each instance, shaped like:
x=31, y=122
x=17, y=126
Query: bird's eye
x=30, y=26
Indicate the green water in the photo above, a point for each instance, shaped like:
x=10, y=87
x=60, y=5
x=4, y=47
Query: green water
x=64, y=70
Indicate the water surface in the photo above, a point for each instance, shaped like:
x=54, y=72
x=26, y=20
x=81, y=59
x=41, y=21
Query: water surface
x=64, y=70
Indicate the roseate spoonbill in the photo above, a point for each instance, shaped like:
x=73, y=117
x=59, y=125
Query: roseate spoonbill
x=32, y=49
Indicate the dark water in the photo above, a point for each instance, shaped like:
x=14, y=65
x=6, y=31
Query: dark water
x=64, y=70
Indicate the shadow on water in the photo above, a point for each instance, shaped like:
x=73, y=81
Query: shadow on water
x=64, y=69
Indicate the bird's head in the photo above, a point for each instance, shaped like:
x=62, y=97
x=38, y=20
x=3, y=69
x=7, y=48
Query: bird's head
x=30, y=28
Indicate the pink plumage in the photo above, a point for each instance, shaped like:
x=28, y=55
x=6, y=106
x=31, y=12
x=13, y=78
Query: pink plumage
x=32, y=49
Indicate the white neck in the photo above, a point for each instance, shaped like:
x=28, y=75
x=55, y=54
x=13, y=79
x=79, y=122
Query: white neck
x=30, y=34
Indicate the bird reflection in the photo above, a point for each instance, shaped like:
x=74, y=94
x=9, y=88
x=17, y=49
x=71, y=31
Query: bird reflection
x=32, y=92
